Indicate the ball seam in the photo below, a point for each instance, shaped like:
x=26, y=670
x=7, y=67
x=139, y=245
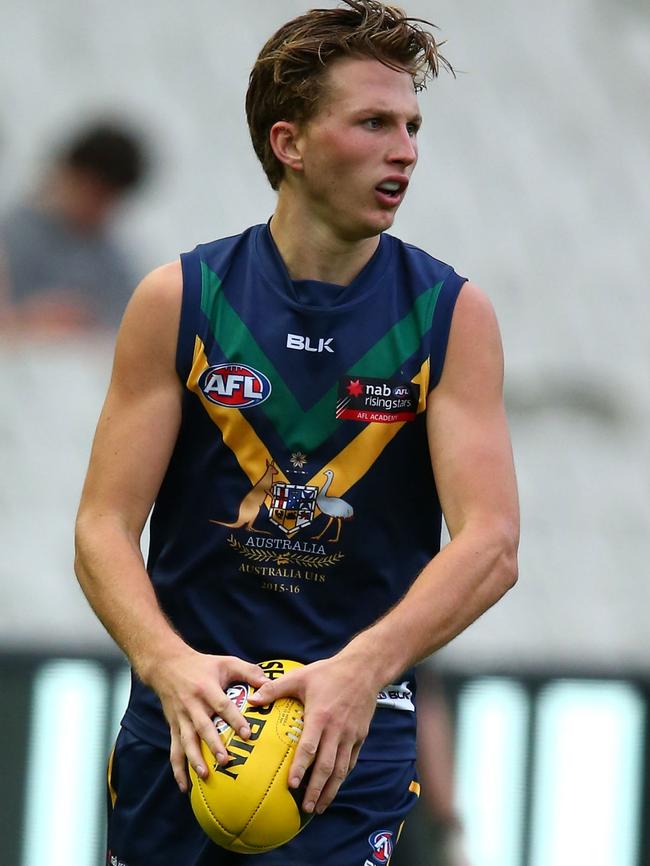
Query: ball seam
x=237, y=837
x=263, y=797
x=211, y=813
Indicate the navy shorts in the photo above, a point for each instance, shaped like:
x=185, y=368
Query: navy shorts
x=150, y=823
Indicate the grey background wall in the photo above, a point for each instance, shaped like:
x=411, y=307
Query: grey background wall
x=533, y=180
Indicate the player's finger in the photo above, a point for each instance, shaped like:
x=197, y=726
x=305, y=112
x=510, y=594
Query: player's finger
x=264, y=695
x=192, y=749
x=339, y=775
x=305, y=753
x=178, y=762
x=206, y=729
x=354, y=756
x=220, y=705
x=290, y=684
x=323, y=767
x=240, y=671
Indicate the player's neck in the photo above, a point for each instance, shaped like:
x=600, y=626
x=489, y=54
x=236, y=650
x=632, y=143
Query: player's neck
x=312, y=250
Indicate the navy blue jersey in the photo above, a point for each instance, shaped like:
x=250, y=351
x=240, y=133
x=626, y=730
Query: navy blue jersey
x=299, y=504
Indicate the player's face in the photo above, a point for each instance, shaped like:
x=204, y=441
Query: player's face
x=360, y=149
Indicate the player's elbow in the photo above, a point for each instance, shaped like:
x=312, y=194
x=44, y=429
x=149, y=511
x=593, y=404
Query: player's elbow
x=93, y=537
x=81, y=534
x=506, y=546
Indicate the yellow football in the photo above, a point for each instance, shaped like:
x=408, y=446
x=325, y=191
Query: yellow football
x=247, y=805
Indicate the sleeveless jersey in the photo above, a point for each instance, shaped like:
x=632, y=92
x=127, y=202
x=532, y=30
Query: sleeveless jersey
x=299, y=503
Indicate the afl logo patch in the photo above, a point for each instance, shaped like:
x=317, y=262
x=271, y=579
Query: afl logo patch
x=235, y=386
x=238, y=694
x=381, y=844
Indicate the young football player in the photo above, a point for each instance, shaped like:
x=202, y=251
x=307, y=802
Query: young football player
x=300, y=404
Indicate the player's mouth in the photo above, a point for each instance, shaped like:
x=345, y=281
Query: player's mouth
x=390, y=191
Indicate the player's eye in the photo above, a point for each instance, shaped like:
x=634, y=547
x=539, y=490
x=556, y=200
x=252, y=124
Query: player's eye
x=413, y=128
x=373, y=123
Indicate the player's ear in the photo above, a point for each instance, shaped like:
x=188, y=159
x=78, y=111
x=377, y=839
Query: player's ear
x=285, y=141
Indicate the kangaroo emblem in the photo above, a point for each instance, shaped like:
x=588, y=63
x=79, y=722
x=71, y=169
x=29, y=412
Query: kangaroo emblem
x=253, y=501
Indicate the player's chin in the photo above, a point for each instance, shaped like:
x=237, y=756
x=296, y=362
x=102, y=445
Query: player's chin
x=376, y=222
x=384, y=220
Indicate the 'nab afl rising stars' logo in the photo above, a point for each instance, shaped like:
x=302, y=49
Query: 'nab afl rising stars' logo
x=234, y=386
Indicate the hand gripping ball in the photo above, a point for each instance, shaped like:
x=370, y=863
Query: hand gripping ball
x=247, y=805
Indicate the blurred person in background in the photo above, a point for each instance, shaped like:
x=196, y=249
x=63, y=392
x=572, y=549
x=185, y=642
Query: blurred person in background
x=60, y=269
x=433, y=834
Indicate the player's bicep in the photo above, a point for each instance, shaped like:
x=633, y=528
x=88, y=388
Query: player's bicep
x=467, y=427
x=140, y=419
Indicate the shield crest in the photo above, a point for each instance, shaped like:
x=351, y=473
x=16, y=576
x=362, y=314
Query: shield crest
x=292, y=506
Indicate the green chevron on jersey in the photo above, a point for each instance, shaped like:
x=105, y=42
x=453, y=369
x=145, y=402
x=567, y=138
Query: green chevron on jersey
x=297, y=427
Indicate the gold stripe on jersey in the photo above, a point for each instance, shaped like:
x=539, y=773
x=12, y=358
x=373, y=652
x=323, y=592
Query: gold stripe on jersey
x=251, y=453
x=352, y=463
x=111, y=790
x=348, y=467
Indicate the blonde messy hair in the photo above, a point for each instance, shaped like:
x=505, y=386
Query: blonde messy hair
x=287, y=80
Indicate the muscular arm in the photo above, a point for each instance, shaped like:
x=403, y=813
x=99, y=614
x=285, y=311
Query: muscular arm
x=472, y=461
x=135, y=437
x=133, y=443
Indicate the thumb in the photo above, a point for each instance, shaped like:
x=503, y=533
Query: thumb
x=287, y=685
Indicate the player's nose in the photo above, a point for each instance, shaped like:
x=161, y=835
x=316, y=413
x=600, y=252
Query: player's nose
x=404, y=149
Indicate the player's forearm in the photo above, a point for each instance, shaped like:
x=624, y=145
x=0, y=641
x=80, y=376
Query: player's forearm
x=465, y=579
x=110, y=570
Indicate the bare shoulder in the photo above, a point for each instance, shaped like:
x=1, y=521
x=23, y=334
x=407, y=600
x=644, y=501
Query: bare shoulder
x=158, y=296
x=150, y=324
x=166, y=279
x=473, y=313
x=141, y=415
x=474, y=353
